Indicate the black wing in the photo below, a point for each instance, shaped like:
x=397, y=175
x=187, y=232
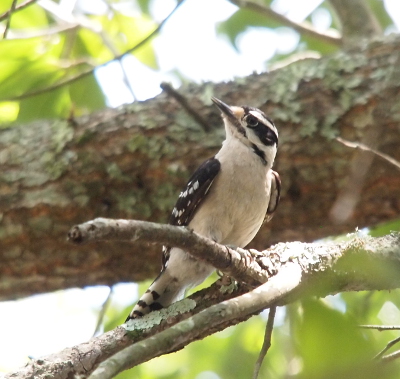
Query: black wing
x=195, y=191
x=189, y=199
x=275, y=196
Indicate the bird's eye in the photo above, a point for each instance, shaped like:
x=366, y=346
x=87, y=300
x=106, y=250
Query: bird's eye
x=251, y=121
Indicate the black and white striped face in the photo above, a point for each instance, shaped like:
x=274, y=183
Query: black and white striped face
x=252, y=127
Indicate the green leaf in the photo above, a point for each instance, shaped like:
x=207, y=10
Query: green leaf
x=385, y=229
x=8, y=112
x=53, y=104
x=331, y=344
x=86, y=95
x=126, y=32
x=313, y=43
x=25, y=65
x=240, y=21
x=32, y=16
x=144, y=6
x=90, y=45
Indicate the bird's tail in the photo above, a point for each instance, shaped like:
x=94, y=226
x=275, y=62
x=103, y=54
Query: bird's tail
x=163, y=291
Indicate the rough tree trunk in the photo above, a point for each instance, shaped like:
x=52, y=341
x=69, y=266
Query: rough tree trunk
x=132, y=162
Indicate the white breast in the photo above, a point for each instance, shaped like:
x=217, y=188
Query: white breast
x=235, y=207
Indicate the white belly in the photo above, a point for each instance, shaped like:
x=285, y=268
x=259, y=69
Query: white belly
x=233, y=213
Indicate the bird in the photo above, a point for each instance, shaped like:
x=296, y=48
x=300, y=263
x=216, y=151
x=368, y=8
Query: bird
x=227, y=199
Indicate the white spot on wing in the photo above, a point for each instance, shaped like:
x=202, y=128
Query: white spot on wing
x=196, y=185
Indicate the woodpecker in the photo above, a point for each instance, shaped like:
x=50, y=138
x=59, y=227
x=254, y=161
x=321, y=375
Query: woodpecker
x=227, y=199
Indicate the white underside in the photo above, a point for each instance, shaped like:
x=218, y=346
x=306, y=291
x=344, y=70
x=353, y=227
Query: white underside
x=231, y=214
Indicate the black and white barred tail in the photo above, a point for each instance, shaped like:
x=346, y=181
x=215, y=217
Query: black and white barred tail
x=180, y=272
x=163, y=292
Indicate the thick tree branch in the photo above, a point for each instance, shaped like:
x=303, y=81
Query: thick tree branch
x=357, y=19
x=240, y=264
x=312, y=269
x=191, y=329
x=249, y=266
x=132, y=162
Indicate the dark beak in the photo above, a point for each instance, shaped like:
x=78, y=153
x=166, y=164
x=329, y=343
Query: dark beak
x=224, y=108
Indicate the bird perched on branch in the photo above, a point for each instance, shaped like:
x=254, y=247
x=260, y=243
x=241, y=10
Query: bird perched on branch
x=227, y=200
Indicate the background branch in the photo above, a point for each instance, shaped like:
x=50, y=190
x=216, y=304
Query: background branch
x=303, y=28
x=357, y=19
x=6, y=15
x=361, y=146
x=266, y=343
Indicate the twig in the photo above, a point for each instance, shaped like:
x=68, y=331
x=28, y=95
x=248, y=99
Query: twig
x=45, y=32
x=381, y=328
x=90, y=71
x=184, y=103
x=267, y=341
x=388, y=346
x=102, y=312
x=349, y=195
x=10, y=12
x=125, y=79
x=301, y=28
x=16, y=9
x=391, y=357
x=180, y=334
x=361, y=146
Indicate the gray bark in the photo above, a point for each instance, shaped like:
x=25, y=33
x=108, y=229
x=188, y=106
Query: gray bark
x=132, y=162
x=363, y=263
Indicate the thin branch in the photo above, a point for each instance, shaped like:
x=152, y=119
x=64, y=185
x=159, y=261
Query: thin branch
x=126, y=81
x=361, y=146
x=185, y=105
x=360, y=164
x=45, y=32
x=90, y=71
x=391, y=357
x=102, y=312
x=301, y=28
x=5, y=15
x=387, y=347
x=10, y=12
x=381, y=328
x=267, y=342
x=189, y=330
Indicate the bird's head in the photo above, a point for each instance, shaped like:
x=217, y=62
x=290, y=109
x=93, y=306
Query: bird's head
x=252, y=127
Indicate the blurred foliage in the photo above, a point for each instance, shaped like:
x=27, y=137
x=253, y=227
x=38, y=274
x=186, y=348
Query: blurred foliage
x=385, y=228
x=56, y=51
x=313, y=338
x=48, y=49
